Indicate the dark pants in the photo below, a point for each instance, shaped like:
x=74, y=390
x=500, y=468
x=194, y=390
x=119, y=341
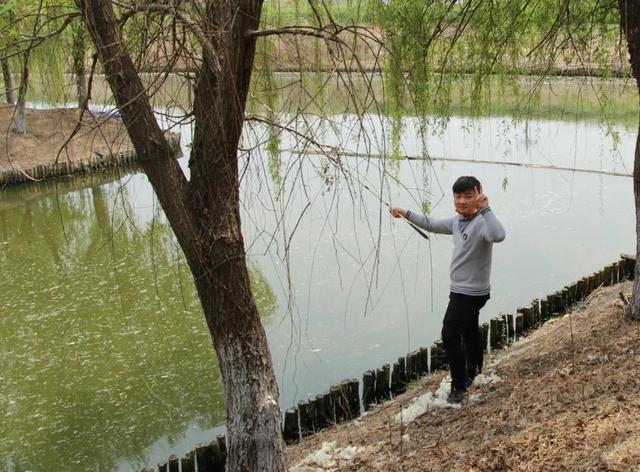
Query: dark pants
x=461, y=337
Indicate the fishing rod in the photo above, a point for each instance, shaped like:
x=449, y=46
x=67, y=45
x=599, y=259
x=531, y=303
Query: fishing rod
x=415, y=227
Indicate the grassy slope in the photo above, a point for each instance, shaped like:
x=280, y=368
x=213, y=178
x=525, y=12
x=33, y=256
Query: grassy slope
x=569, y=400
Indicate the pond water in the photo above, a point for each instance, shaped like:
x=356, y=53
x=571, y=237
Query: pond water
x=106, y=360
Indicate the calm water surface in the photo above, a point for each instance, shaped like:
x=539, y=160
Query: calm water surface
x=106, y=360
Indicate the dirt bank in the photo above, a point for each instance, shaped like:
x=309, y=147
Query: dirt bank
x=567, y=397
x=53, y=146
x=48, y=131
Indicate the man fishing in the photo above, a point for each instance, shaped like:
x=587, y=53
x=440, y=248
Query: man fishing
x=475, y=228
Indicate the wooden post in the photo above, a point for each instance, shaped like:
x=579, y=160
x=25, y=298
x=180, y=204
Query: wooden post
x=606, y=275
x=305, y=421
x=401, y=379
x=403, y=369
x=418, y=364
x=551, y=304
x=527, y=317
x=613, y=270
x=502, y=329
x=397, y=380
x=413, y=368
x=510, y=328
x=188, y=463
x=519, y=324
x=222, y=446
x=590, y=284
x=575, y=295
x=321, y=415
x=580, y=290
x=423, y=361
x=621, y=270
x=382, y=383
x=386, y=369
x=174, y=463
x=354, y=397
x=206, y=458
x=629, y=268
x=485, y=336
x=493, y=334
x=565, y=299
x=328, y=408
x=368, y=389
x=558, y=304
x=163, y=467
x=602, y=274
x=586, y=290
x=339, y=403
x=614, y=273
x=218, y=464
x=525, y=326
x=577, y=289
x=535, y=310
x=435, y=358
x=338, y=408
x=345, y=390
x=312, y=409
x=408, y=368
x=290, y=432
x=544, y=310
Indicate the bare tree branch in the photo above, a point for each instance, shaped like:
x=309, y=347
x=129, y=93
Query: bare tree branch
x=173, y=10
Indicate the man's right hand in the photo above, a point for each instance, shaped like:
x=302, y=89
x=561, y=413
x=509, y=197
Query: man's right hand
x=398, y=212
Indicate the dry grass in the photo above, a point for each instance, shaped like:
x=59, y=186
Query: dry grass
x=562, y=405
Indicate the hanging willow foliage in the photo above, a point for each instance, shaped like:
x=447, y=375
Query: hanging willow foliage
x=440, y=51
x=35, y=32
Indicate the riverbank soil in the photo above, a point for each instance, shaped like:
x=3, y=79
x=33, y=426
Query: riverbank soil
x=566, y=397
x=48, y=131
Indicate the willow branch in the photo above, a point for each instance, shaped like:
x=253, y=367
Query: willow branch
x=36, y=40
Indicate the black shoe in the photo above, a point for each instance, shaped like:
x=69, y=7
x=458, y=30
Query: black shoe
x=456, y=395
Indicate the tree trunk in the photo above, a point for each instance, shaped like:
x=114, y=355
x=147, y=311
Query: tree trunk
x=78, y=54
x=630, y=24
x=21, y=118
x=8, y=82
x=205, y=212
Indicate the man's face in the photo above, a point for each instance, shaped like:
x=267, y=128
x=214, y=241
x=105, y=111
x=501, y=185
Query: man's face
x=465, y=202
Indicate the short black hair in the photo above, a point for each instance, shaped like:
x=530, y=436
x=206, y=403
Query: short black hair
x=466, y=183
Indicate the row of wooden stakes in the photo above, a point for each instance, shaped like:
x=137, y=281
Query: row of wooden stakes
x=343, y=401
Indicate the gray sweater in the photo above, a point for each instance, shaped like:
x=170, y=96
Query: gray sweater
x=473, y=240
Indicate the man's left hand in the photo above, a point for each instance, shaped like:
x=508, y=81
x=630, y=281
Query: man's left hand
x=482, y=201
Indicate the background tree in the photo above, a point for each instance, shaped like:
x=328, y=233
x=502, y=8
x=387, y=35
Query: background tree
x=6, y=17
x=31, y=35
x=630, y=25
x=78, y=54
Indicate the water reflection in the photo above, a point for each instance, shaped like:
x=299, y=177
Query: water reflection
x=104, y=347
